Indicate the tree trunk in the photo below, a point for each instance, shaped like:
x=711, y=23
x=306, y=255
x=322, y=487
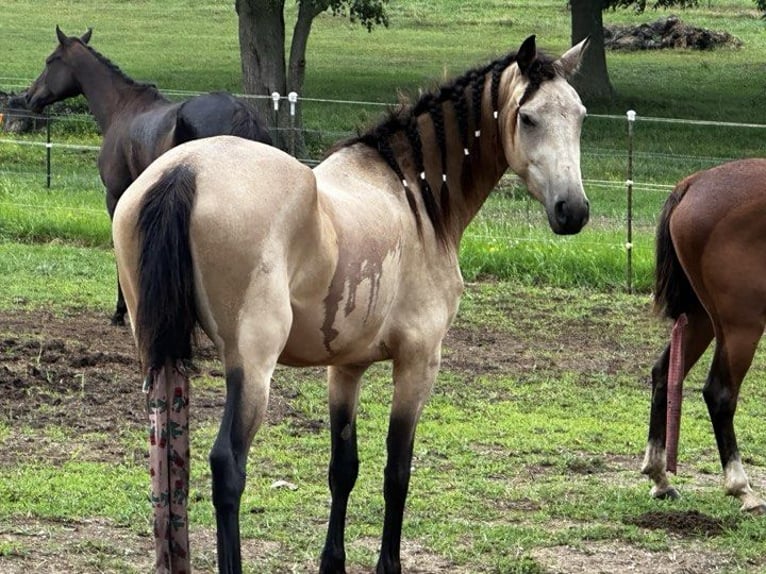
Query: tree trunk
x=592, y=81
x=262, y=53
x=296, y=71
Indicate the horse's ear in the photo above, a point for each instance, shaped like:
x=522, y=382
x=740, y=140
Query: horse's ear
x=63, y=39
x=526, y=54
x=570, y=61
x=85, y=38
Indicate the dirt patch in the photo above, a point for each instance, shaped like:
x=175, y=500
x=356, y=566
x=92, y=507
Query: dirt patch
x=688, y=524
x=602, y=557
x=665, y=33
x=59, y=371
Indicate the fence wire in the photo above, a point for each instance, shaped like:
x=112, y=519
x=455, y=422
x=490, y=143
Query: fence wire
x=629, y=169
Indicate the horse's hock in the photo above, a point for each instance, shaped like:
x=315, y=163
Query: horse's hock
x=665, y=33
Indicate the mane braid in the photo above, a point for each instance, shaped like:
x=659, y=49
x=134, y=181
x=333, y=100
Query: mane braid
x=461, y=111
x=432, y=209
x=378, y=140
x=437, y=118
x=477, y=90
x=404, y=120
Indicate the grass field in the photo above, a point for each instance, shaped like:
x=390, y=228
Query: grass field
x=527, y=457
x=425, y=42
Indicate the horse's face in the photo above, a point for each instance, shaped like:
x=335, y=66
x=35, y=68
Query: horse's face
x=541, y=139
x=57, y=81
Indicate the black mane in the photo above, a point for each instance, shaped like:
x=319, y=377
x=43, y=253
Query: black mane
x=116, y=69
x=403, y=119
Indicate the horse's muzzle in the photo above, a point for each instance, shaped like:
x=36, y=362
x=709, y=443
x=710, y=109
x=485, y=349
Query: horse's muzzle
x=569, y=217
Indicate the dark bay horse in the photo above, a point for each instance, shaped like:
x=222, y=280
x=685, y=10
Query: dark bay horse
x=137, y=122
x=711, y=258
x=353, y=262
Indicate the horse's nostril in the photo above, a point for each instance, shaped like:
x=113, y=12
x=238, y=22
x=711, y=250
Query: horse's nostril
x=561, y=211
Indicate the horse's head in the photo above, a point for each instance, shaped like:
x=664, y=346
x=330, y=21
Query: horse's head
x=540, y=117
x=57, y=81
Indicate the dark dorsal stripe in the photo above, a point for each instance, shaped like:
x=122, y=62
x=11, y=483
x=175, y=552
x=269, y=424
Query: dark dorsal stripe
x=431, y=103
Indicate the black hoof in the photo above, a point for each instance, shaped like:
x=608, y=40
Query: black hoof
x=118, y=320
x=669, y=494
x=332, y=566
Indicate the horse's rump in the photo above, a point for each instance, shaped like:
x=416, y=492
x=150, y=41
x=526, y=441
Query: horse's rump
x=166, y=314
x=673, y=294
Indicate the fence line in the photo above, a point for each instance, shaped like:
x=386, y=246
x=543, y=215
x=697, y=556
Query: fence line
x=288, y=135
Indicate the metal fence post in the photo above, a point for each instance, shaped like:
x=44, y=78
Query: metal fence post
x=629, y=185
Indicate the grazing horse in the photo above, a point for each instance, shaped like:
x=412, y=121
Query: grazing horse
x=710, y=254
x=137, y=122
x=353, y=262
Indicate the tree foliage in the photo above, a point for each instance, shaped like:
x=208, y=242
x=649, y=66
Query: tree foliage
x=368, y=13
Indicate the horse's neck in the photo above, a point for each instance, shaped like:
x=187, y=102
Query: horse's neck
x=474, y=161
x=110, y=92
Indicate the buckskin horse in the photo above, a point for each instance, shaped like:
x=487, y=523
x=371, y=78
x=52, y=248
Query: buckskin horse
x=353, y=262
x=710, y=280
x=137, y=122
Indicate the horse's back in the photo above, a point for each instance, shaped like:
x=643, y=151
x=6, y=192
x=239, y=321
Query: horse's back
x=218, y=113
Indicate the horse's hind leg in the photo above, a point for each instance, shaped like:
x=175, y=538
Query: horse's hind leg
x=344, y=461
x=250, y=362
x=734, y=352
x=697, y=336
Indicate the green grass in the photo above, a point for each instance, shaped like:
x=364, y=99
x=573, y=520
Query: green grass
x=425, y=42
x=507, y=461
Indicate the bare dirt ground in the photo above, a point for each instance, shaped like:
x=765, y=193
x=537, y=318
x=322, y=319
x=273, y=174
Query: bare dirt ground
x=50, y=365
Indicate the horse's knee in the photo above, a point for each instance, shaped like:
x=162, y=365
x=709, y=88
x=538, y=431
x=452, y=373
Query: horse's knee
x=396, y=480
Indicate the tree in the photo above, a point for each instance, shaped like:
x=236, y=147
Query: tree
x=265, y=68
x=593, y=80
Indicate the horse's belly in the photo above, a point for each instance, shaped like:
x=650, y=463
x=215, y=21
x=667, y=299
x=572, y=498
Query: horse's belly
x=347, y=326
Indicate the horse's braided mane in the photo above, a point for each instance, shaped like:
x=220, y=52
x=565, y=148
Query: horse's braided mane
x=403, y=119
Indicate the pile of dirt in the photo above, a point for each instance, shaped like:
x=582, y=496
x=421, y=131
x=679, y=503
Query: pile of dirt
x=665, y=33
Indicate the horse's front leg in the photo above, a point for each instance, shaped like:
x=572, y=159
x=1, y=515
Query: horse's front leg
x=733, y=356
x=697, y=336
x=413, y=380
x=120, y=309
x=112, y=195
x=344, y=460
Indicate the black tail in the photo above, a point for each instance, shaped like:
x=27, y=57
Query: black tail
x=167, y=312
x=673, y=294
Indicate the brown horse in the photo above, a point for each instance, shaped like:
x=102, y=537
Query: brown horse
x=711, y=250
x=353, y=262
x=138, y=123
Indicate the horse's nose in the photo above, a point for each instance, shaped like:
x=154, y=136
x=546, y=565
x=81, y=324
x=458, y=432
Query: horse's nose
x=571, y=216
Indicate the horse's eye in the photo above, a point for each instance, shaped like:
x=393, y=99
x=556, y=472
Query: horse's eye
x=527, y=120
